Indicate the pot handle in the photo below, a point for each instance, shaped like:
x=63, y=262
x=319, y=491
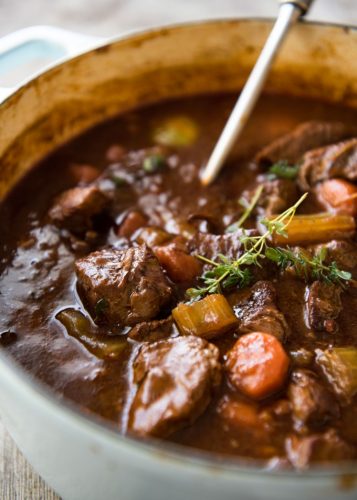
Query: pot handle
x=31, y=50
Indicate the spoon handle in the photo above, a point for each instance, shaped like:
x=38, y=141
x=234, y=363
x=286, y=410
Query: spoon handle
x=289, y=12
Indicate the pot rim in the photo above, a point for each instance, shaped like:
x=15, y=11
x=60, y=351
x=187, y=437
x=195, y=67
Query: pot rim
x=72, y=413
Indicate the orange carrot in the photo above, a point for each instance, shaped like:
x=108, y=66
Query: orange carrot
x=132, y=222
x=240, y=414
x=257, y=365
x=84, y=173
x=179, y=265
x=115, y=153
x=339, y=194
x=152, y=236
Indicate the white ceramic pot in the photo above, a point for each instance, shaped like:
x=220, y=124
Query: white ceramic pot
x=80, y=458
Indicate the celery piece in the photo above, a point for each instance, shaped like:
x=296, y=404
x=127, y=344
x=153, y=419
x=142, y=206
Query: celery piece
x=206, y=318
x=316, y=228
x=176, y=131
x=153, y=164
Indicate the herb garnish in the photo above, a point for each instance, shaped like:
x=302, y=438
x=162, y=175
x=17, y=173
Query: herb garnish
x=308, y=267
x=249, y=207
x=226, y=272
x=153, y=163
x=118, y=180
x=283, y=170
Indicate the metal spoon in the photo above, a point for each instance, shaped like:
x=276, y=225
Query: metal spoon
x=289, y=12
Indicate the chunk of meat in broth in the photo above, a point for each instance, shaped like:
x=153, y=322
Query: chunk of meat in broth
x=323, y=306
x=176, y=379
x=259, y=312
x=329, y=446
x=75, y=208
x=304, y=137
x=335, y=160
x=312, y=404
x=212, y=245
x=151, y=331
x=277, y=196
x=123, y=287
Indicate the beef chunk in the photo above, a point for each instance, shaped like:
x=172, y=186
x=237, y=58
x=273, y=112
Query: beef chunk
x=277, y=196
x=176, y=379
x=75, y=208
x=311, y=402
x=259, y=312
x=211, y=245
x=323, y=306
x=324, y=447
x=309, y=135
x=151, y=331
x=129, y=285
x=336, y=160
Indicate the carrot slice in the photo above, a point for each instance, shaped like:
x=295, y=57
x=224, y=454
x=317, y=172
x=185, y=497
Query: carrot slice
x=179, y=265
x=84, y=173
x=240, y=414
x=257, y=365
x=132, y=222
x=340, y=195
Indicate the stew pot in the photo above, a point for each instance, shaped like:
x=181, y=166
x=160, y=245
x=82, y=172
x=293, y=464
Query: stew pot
x=78, y=456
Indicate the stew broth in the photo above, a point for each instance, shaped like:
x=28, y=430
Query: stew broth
x=38, y=279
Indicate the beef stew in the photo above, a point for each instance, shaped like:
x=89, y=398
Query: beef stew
x=220, y=318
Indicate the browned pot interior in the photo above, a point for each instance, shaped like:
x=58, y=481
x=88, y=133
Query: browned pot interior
x=316, y=61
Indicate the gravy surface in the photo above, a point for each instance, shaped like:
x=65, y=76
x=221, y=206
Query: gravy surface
x=37, y=265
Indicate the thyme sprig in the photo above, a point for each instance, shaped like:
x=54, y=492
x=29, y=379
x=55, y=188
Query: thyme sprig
x=308, y=267
x=226, y=273
x=249, y=207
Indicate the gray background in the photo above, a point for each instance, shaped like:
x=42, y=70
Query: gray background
x=108, y=17
x=105, y=18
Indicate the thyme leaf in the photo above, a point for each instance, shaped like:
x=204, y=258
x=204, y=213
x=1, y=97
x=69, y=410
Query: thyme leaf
x=283, y=170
